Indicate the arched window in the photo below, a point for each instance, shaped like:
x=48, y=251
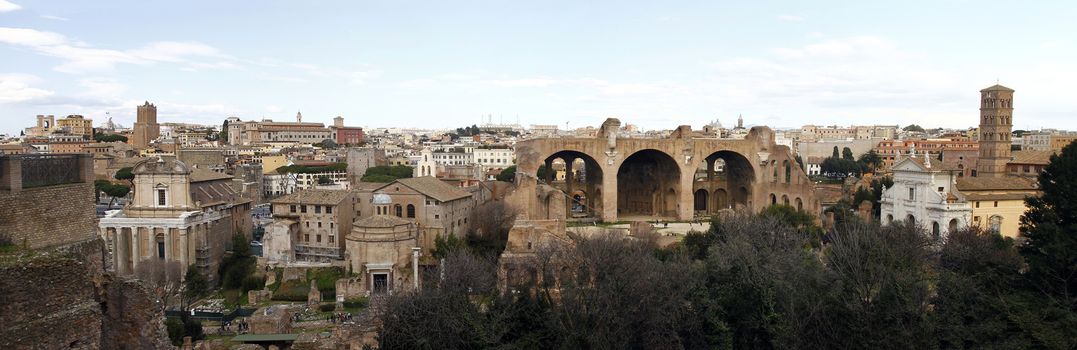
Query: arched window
x=773, y=199
x=935, y=229
x=774, y=164
x=411, y=211
x=911, y=220
x=889, y=218
x=788, y=171
x=995, y=224
x=399, y=210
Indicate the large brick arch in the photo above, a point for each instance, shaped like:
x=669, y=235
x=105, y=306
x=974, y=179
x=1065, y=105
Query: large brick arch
x=756, y=157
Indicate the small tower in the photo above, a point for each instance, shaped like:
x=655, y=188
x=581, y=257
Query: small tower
x=996, y=126
x=298, y=117
x=740, y=121
x=338, y=122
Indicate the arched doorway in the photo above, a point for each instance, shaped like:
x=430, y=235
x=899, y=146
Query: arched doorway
x=648, y=184
x=721, y=200
x=700, y=200
x=952, y=226
x=575, y=174
x=728, y=177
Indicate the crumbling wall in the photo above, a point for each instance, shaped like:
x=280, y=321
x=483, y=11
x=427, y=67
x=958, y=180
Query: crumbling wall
x=61, y=298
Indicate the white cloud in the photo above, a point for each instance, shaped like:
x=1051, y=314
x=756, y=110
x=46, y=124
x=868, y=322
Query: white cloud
x=54, y=18
x=525, y=82
x=80, y=58
x=8, y=6
x=789, y=18
x=844, y=48
x=15, y=88
x=105, y=88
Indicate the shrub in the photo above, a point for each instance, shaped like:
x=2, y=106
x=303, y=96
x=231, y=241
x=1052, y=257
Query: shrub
x=253, y=282
x=327, y=307
x=292, y=291
x=356, y=303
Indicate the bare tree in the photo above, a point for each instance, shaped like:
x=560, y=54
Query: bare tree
x=164, y=277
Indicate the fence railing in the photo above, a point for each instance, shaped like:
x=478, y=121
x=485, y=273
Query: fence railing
x=47, y=170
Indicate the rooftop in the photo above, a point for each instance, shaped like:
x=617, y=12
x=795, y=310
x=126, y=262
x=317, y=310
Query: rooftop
x=997, y=87
x=995, y=183
x=381, y=221
x=433, y=187
x=200, y=175
x=1031, y=157
x=314, y=196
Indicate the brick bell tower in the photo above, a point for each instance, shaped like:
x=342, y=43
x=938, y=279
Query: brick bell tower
x=996, y=126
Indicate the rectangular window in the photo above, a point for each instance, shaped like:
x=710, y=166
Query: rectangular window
x=303, y=209
x=912, y=194
x=940, y=189
x=977, y=204
x=437, y=216
x=996, y=204
x=976, y=218
x=329, y=209
x=161, y=197
x=319, y=237
x=292, y=208
x=306, y=237
x=319, y=225
x=332, y=238
x=317, y=209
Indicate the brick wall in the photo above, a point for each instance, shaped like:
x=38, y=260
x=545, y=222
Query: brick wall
x=48, y=216
x=61, y=298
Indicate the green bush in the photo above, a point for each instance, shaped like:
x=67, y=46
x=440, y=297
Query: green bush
x=326, y=280
x=327, y=307
x=292, y=291
x=179, y=328
x=356, y=303
x=253, y=282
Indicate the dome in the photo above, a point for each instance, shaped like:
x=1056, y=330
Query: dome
x=381, y=198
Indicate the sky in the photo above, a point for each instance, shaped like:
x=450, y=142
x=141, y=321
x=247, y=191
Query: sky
x=447, y=64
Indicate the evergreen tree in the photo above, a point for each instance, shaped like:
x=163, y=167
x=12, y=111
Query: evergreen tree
x=835, y=154
x=1050, y=227
x=846, y=153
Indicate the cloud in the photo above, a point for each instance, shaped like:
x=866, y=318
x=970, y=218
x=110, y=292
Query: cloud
x=54, y=18
x=789, y=18
x=525, y=82
x=16, y=88
x=7, y=6
x=80, y=58
x=105, y=88
x=842, y=48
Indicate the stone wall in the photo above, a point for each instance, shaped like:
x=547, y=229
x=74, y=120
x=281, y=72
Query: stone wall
x=62, y=298
x=48, y=216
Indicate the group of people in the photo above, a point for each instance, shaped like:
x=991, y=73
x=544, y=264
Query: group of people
x=242, y=326
x=339, y=317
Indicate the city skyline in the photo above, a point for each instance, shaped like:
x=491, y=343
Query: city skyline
x=436, y=65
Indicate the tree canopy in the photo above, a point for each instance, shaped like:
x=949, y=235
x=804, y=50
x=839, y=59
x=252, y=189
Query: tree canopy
x=385, y=173
x=508, y=174
x=913, y=127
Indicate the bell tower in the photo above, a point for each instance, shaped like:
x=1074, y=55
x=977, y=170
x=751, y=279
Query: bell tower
x=996, y=126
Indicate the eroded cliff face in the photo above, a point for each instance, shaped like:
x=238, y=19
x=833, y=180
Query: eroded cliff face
x=61, y=298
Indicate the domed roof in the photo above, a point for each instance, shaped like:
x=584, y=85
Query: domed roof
x=382, y=198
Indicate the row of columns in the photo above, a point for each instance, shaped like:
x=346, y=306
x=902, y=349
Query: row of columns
x=131, y=244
